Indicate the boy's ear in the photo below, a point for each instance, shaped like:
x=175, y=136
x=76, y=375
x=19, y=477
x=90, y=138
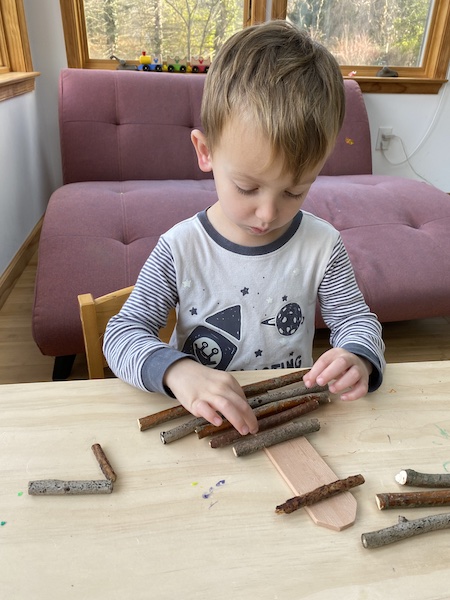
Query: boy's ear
x=201, y=148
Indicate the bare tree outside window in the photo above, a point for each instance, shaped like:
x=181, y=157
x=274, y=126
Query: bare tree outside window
x=366, y=32
x=182, y=28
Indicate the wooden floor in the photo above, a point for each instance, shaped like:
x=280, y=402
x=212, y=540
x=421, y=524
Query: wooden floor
x=21, y=360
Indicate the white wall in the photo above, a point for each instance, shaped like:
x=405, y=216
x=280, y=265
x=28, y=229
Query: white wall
x=29, y=144
x=423, y=124
x=30, y=166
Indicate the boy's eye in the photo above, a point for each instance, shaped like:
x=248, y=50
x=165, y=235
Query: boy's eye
x=246, y=192
x=295, y=196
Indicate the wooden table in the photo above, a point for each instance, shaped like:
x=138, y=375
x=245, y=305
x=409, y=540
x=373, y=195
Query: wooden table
x=189, y=522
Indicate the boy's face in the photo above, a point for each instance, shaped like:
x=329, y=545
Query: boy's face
x=257, y=200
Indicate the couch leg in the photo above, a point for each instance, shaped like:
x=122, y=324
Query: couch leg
x=63, y=367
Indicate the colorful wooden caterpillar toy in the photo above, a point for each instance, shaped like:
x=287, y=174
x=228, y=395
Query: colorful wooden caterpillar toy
x=197, y=64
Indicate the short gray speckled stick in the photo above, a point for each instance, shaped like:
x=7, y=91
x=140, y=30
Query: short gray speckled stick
x=57, y=487
x=282, y=433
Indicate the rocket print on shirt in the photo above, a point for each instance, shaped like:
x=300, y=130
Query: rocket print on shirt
x=209, y=346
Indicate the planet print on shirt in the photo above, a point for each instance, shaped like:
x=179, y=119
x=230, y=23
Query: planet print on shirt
x=288, y=319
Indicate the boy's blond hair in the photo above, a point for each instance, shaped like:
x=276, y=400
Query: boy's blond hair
x=275, y=76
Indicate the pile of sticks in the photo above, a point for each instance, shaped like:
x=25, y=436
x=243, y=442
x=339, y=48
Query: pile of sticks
x=277, y=404
x=418, y=499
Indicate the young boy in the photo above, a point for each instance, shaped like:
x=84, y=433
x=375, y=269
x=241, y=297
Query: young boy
x=246, y=273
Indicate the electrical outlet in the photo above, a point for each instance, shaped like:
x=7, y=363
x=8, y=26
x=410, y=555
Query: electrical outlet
x=383, y=144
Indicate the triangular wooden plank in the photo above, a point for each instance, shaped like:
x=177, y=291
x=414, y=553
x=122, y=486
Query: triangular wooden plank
x=304, y=469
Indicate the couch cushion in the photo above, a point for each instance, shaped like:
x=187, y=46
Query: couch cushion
x=97, y=235
x=397, y=233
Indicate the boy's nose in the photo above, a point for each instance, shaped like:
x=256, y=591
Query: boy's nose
x=267, y=211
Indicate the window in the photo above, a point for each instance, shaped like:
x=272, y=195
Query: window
x=403, y=36
x=410, y=36
x=16, y=69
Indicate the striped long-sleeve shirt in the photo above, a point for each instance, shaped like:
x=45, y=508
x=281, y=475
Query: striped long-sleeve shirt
x=239, y=307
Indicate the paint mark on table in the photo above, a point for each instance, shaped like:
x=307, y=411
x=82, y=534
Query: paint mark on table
x=20, y=493
x=443, y=432
x=446, y=466
x=2, y=523
x=210, y=492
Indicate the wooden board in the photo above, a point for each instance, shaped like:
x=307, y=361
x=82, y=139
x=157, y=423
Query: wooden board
x=304, y=469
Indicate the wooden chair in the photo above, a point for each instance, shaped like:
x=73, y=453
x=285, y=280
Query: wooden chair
x=95, y=314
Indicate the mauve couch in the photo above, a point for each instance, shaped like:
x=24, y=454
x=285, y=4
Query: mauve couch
x=130, y=173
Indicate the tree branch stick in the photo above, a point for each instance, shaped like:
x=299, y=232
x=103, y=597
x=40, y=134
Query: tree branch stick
x=230, y=436
x=413, y=499
x=180, y=431
x=104, y=463
x=56, y=487
x=405, y=529
x=433, y=480
x=162, y=417
x=321, y=493
x=260, y=411
x=289, y=431
x=282, y=394
x=252, y=389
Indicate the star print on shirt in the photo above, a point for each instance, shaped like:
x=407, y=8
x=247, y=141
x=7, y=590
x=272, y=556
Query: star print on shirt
x=193, y=311
x=258, y=353
x=187, y=283
x=284, y=298
x=244, y=291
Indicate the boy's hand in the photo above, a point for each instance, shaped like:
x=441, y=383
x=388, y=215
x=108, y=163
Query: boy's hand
x=205, y=392
x=341, y=370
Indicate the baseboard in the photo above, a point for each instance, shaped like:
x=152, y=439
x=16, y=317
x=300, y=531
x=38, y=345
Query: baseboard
x=19, y=262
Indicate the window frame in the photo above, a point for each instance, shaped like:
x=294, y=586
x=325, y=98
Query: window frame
x=426, y=79
x=16, y=68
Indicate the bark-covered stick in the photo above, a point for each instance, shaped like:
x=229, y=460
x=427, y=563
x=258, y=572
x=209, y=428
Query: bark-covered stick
x=162, y=417
x=56, y=487
x=230, y=436
x=405, y=529
x=252, y=389
x=433, y=480
x=104, y=463
x=413, y=499
x=289, y=431
x=321, y=493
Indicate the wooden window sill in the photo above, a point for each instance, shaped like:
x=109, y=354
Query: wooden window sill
x=399, y=85
x=14, y=84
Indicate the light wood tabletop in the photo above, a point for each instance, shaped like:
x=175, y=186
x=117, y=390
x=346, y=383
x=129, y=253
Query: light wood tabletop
x=186, y=521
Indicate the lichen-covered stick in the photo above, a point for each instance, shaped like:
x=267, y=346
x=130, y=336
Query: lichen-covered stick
x=252, y=389
x=413, y=499
x=433, y=480
x=283, y=393
x=104, y=463
x=405, y=529
x=180, y=431
x=289, y=431
x=56, y=487
x=321, y=493
x=273, y=420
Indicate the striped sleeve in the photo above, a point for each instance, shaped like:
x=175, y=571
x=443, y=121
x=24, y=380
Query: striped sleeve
x=353, y=326
x=131, y=344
